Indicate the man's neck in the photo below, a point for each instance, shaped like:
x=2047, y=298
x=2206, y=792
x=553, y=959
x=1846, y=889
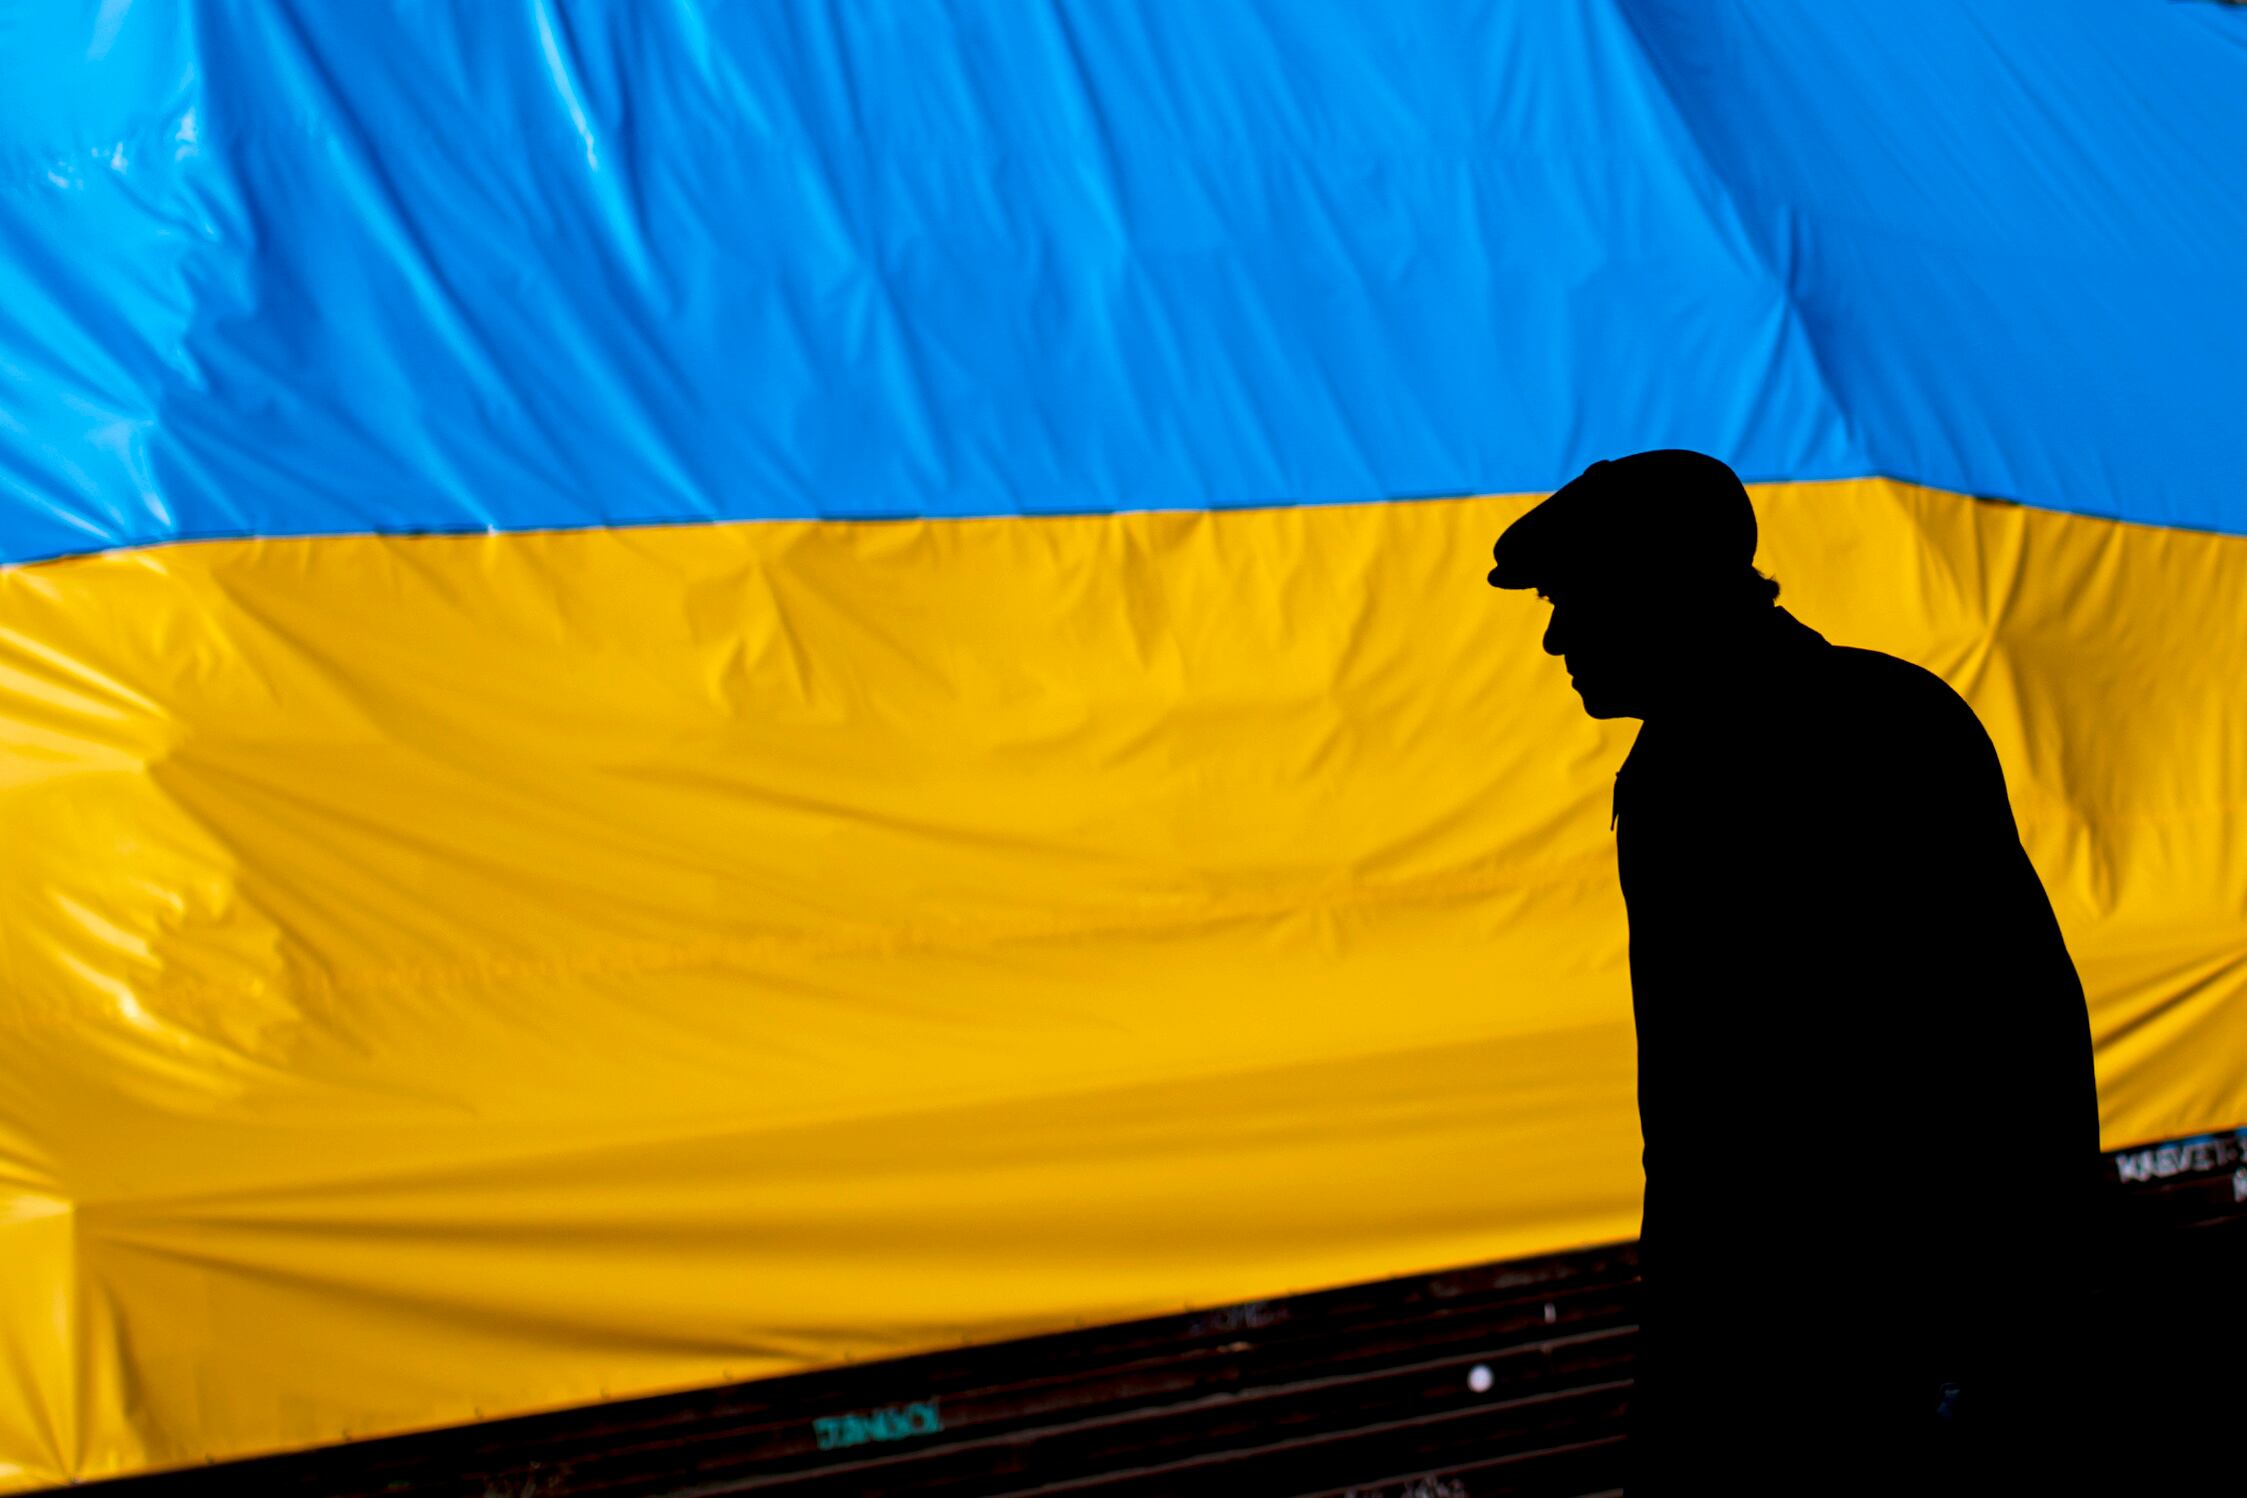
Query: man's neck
x=1728, y=657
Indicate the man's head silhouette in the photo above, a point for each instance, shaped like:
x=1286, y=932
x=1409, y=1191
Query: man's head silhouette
x=1649, y=563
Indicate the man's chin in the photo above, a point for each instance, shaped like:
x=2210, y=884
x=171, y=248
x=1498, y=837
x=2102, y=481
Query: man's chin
x=1599, y=705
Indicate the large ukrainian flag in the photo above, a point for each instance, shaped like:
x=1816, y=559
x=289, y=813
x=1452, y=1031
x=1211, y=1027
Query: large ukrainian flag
x=687, y=691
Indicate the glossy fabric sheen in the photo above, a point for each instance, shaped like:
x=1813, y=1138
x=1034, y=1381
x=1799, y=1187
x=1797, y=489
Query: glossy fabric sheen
x=455, y=976
x=296, y=269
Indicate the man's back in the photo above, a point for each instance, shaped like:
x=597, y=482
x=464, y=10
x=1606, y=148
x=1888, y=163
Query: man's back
x=1865, y=1067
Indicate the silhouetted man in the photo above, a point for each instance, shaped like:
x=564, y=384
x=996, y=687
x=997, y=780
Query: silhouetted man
x=1865, y=1082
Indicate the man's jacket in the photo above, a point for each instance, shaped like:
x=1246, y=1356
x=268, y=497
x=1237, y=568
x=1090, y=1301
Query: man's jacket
x=1865, y=1079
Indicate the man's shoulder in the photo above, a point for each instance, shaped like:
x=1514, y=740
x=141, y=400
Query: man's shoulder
x=1876, y=688
x=1885, y=717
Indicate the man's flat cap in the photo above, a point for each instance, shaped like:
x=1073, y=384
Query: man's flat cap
x=1671, y=512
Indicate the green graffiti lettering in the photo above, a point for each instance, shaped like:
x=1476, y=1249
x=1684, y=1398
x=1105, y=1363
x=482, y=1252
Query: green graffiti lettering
x=889, y=1423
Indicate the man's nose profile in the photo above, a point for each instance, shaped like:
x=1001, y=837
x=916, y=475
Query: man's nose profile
x=1841, y=959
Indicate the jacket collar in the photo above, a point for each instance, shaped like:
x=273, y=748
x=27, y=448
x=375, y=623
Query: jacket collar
x=1769, y=648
